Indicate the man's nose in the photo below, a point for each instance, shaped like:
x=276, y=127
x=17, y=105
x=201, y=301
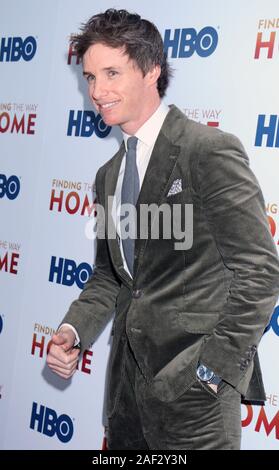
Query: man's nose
x=99, y=90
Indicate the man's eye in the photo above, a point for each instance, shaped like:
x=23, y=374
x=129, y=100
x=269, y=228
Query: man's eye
x=112, y=73
x=90, y=78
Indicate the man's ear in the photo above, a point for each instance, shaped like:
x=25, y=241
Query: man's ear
x=153, y=74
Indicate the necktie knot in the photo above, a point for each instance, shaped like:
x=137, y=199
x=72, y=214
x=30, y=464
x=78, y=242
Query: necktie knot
x=132, y=143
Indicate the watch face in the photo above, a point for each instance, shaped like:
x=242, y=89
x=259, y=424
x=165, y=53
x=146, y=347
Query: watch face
x=204, y=373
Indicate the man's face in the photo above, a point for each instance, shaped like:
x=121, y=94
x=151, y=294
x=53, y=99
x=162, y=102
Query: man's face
x=117, y=87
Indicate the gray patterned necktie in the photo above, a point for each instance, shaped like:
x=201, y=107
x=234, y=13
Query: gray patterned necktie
x=129, y=195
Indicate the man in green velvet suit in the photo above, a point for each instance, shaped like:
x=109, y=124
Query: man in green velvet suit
x=188, y=317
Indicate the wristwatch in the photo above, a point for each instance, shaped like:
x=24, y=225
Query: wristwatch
x=207, y=375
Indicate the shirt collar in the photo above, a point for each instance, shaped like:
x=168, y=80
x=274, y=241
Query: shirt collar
x=149, y=131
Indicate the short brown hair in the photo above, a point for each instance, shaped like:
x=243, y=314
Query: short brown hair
x=140, y=38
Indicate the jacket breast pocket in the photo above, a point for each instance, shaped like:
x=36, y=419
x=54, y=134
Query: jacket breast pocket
x=183, y=196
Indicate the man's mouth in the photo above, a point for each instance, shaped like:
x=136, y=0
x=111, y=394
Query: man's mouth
x=108, y=105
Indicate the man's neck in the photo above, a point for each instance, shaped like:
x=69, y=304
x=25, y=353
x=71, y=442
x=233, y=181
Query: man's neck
x=132, y=127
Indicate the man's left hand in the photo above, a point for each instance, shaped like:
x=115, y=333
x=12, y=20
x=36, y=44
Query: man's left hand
x=214, y=387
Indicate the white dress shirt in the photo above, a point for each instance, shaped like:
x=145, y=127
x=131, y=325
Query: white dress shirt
x=147, y=135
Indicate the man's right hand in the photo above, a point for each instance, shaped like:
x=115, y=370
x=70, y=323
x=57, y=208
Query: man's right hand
x=62, y=357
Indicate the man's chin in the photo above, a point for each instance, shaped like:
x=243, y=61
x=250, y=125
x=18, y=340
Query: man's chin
x=109, y=121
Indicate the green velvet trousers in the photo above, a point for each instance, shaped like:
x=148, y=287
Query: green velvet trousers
x=199, y=419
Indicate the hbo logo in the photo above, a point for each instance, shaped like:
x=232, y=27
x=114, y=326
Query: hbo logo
x=67, y=272
x=50, y=424
x=186, y=41
x=9, y=187
x=274, y=324
x=85, y=123
x=13, y=49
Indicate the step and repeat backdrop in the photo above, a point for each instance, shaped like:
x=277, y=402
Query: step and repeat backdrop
x=225, y=57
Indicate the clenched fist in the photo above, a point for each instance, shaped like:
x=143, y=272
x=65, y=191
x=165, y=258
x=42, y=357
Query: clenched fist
x=63, y=357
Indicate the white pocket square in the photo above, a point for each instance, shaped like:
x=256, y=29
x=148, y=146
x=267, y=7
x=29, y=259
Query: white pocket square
x=176, y=187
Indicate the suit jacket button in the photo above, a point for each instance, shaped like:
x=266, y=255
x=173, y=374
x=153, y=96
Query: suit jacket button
x=137, y=293
x=136, y=330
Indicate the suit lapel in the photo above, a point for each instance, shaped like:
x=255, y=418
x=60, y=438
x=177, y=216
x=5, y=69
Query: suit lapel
x=110, y=185
x=158, y=173
x=157, y=176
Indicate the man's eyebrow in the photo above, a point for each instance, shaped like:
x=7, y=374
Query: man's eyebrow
x=104, y=69
x=112, y=67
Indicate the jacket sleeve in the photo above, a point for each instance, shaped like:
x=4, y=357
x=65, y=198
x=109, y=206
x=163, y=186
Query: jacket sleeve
x=235, y=210
x=91, y=312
